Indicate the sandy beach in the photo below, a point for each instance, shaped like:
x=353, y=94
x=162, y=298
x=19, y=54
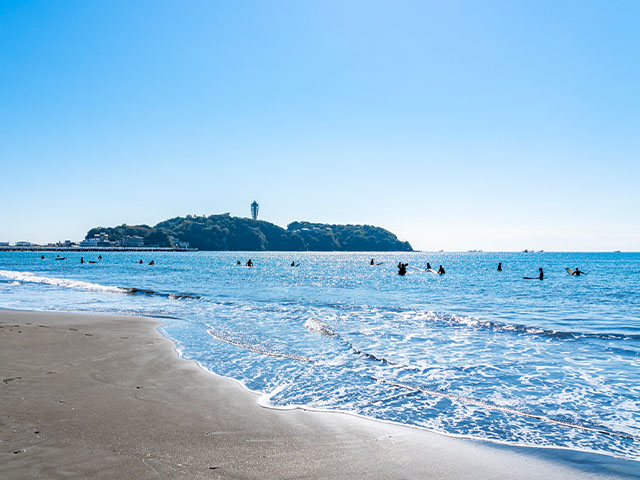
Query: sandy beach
x=89, y=396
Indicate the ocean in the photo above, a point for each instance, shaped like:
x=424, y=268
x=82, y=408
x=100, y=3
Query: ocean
x=473, y=353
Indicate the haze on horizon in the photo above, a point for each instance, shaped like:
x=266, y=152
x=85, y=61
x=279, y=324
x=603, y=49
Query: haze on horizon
x=456, y=125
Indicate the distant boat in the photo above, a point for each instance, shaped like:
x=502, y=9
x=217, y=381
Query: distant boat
x=616, y=251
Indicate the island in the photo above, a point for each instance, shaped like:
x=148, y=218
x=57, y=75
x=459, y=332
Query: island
x=228, y=233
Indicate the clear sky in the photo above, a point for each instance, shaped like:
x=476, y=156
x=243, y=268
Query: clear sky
x=455, y=124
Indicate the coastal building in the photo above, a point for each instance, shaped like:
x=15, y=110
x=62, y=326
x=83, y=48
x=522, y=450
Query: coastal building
x=89, y=242
x=254, y=210
x=4, y=244
x=132, y=241
x=24, y=244
x=177, y=243
x=98, y=240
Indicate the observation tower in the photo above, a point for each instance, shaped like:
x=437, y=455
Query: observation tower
x=254, y=210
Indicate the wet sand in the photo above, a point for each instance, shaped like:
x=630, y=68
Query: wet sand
x=90, y=396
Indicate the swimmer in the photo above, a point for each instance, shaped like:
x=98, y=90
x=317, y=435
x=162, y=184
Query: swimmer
x=402, y=268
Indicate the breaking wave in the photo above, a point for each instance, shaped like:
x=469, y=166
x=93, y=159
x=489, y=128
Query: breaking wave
x=28, y=277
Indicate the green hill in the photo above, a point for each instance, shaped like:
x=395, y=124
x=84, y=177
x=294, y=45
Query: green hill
x=224, y=232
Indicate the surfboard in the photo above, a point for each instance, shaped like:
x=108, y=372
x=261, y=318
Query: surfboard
x=431, y=270
x=570, y=272
x=418, y=269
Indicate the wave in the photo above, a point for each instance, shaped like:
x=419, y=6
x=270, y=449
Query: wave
x=491, y=406
x=318, y=327
x=175, y=296
x=28, y=277
x=257, y=348
x=461, y=320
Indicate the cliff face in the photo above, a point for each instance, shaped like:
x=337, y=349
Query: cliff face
x=224, y=232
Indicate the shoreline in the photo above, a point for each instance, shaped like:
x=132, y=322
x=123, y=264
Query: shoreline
x=109, y=396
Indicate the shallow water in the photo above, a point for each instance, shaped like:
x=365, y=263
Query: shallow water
x=475, y=352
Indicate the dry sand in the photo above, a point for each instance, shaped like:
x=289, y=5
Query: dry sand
x=86, y=396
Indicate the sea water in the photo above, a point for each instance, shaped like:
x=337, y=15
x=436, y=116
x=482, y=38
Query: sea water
x=475, y=352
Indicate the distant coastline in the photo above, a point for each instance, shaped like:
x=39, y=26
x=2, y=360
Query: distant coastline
x=48, y=248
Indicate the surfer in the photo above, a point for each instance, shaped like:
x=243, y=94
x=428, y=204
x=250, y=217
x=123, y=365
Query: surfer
x=428, y=266
x=81, y=259
x=42, y=257
x=152, y=262
x=402, y=268
x=238, y=262
x=372, y=262
x=577, y=272
x=249, y=263
x=540, y=277
x=293, y=264
x=140, y=262
x=499, y=266
x=441, y=271
x=99, y=257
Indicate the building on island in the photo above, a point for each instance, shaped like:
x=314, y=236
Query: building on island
x=98, y=240
x=177, y=243
x=254, y=210
x=132, y=241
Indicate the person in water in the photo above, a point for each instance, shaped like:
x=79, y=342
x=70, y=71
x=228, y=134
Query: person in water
x=428, y=266
x=500, y=266
x=249, y=263
x=293, y=264
x=152, y=262
x=441, y=271
x=372, y=262
x=42, y=257
x=402, y=268
x=577, y=272
x=140, y=262
x=99, y=257
x=238, y=262
x=541, y=277
x=81, y=259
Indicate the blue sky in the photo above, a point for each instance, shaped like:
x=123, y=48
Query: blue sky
x=457, y=125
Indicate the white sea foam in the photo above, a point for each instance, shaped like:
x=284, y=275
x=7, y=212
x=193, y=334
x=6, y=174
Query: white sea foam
x=318, y=327
x=28, y=277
